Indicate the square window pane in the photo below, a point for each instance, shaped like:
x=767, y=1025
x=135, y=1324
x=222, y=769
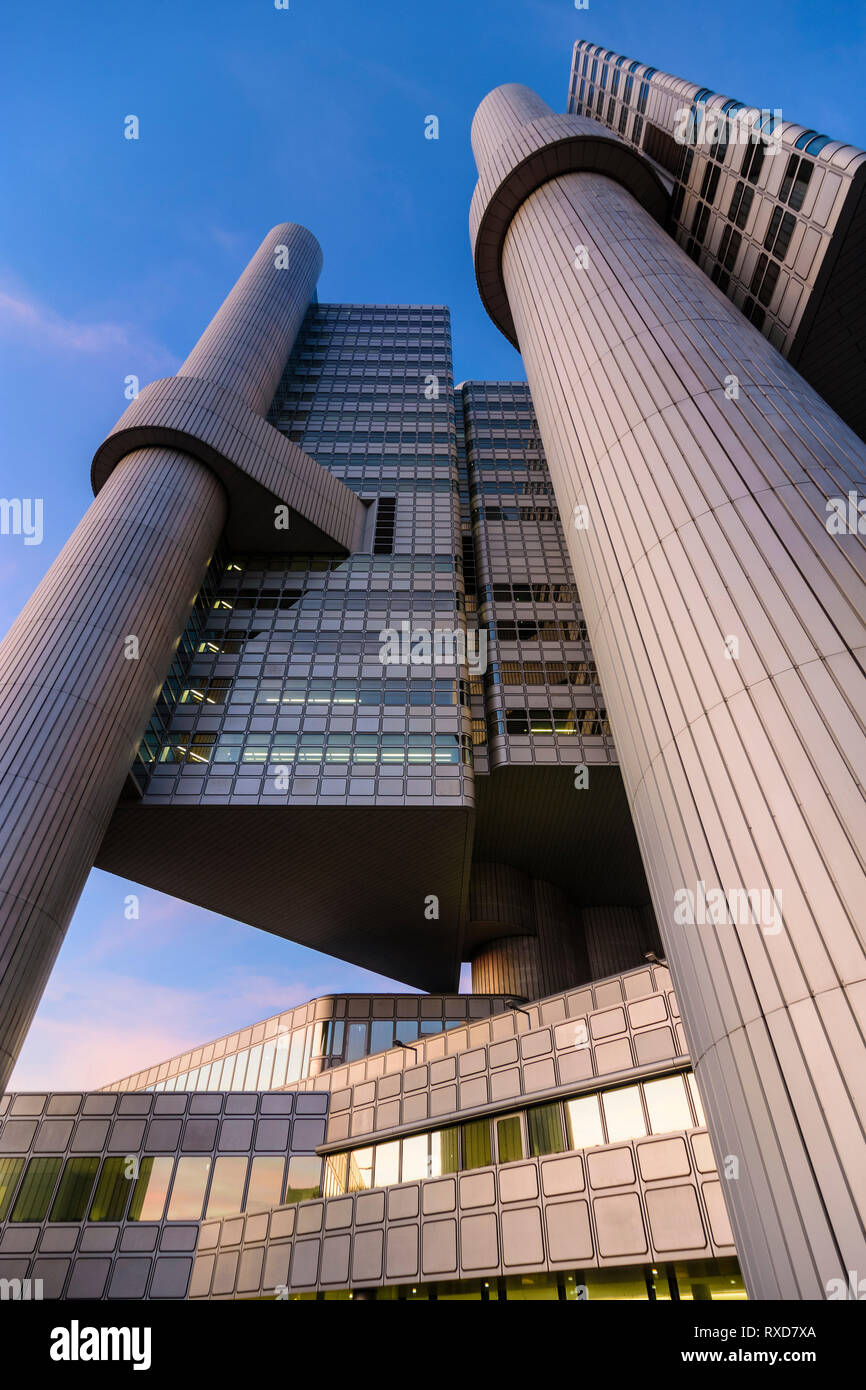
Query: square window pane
x=227, y=1187
x=667, y=1104
x=415, y=1157
x=304, y=1178
x=151, y=1189
x=360, y=1169
x=187, y=1192
x=387, y=1166
x=266, y=1182
x=584, y=1122
x=623, y=1113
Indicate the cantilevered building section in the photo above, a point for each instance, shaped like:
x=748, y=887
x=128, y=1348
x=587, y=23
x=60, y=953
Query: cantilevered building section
x=774, y=212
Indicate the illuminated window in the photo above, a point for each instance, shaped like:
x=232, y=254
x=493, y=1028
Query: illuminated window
x=667, y=1104
x=623, y=1113
x=584, y=1122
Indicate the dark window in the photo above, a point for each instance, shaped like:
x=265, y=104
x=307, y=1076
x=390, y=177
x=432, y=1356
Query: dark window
x=710, y=182
x=754, y=161
x=383, y=539
x=741, y=204
x=779, y=232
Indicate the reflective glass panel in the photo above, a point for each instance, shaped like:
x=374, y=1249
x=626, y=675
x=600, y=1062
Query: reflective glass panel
x=112, y=1190
x=10, y=1172
x=387, y=1167
x=667, y=1104
x=623, y=1113
x=36, y=1189
x=545, y=1130
x=151, y=1189
x=360, y=1169
x=187, y=1192
x=266, y=1182
x=509, y=1139
x=227, y=1186
x=476, y=1144
x=75, y=1188
x=415, y=1157
x=444, y=1151
x=584, y=1122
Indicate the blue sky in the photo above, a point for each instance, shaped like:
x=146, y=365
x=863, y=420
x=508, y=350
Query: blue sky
x=114, y=254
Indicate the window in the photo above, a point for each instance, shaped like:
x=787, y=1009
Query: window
x=36, y=1189
x=151, y=1189
x=356, y=1045
x=227, y=1187
x=779, y=232
x=381, y=1034
x=188, y=1188
x=753, y=161
x=764, y=279
x=741, y=204
x=75, y=1188
x=303, y=1180
x=336, y=1173
x=387, y=1167
x=476, y=1144
x=710, y=182
x=795, y=182
x=584, y=1122
x=414, y=1157
x=667, y=1104
x=360, y=1175
x=509, y=1139
x=10, y=1172
x=112, y=1191
x=544, y=1123
x=444, y=1151
x=729, y=247
x=623, y=1113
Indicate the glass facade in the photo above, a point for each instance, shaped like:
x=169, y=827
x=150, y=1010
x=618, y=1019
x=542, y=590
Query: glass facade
x=658, y=1106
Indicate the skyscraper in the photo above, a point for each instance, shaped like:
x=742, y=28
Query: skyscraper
x=402, y=671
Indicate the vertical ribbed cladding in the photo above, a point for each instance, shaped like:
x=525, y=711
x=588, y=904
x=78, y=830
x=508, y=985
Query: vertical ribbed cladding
x=73, y=706
x=500, y=114
x=247, y=343
x=509, y=965
x=744, y=766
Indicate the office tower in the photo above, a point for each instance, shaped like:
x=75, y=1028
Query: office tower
x=405, y=673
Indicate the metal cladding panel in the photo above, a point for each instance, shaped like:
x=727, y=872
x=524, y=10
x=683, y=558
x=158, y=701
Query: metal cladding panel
x=727, y=624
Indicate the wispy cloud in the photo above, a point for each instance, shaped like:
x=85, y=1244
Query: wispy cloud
x=36, y=324
x=96, y=1027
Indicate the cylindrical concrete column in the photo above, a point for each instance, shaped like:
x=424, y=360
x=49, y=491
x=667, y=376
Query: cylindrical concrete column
x=247, y=343
x=81, y=667
x=692, y=467
x=75, y=698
